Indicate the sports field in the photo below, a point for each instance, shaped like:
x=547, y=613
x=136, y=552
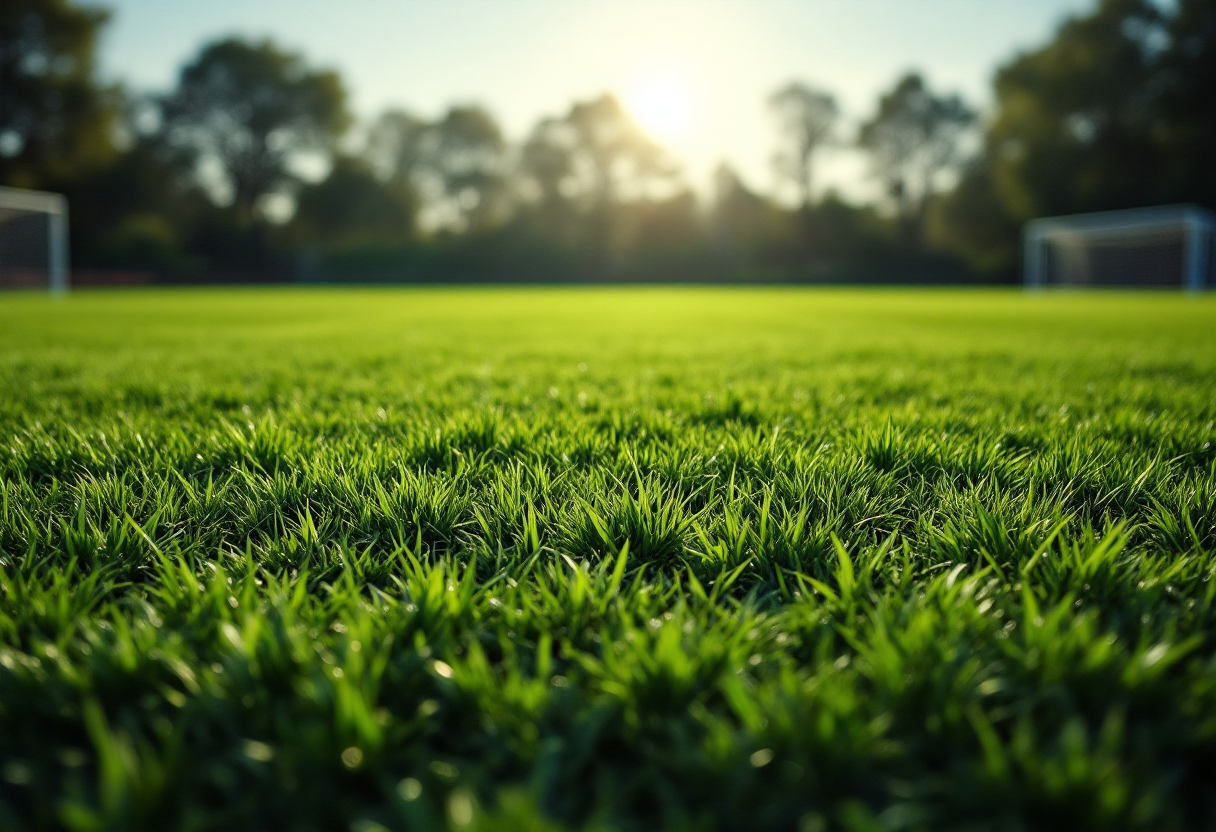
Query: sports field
x=631, y=559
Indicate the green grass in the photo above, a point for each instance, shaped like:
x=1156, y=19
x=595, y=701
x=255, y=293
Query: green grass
x=629, y=559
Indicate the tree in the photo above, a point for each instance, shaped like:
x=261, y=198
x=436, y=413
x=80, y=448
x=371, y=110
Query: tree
x=1186, y=115
x=806, y=117
x=740, y=221
x=613, y=156
x=913, y=139
x=466, y=154
x=396, y=148
x=595, y=183
x=55, y=119
x=582, y=167
x=139, y=202
x=457, y=165
x=547, y=160
x=1115, y=112
x=971, y=222
x=351, y=205
x=595, y=157
x=249, y=109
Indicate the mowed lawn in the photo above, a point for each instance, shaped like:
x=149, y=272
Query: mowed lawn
x=607, y=559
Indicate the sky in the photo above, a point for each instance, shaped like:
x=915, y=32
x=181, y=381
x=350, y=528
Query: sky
x=695, y=72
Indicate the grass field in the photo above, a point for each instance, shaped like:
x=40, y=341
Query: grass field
x=633, y=559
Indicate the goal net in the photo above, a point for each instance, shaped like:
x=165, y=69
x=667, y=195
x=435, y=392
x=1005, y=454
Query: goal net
x=33, y=240
x=1168, y=247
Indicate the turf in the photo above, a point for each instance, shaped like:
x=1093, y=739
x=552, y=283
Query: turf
x=633, y=559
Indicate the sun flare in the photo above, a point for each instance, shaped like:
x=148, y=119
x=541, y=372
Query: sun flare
x=661, y=103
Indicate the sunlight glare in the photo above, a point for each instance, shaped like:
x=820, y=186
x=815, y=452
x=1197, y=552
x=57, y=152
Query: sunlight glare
x=661, y=103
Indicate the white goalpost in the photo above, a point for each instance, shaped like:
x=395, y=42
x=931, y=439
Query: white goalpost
x=1169, y=246
x=33, y=240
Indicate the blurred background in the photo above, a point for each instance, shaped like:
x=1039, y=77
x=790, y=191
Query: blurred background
x=542, y=140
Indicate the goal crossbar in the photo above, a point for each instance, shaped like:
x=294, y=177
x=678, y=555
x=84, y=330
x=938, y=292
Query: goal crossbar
x=1197, y=227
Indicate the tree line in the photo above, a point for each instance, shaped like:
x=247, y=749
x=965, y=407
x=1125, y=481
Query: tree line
x=209, y=179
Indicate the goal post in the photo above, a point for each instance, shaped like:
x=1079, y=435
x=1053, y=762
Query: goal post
x=1169, y=246
x=33, y=240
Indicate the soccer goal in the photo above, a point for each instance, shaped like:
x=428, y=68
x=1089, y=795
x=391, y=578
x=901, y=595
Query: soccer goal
x=1168, y=247
x=33, y=240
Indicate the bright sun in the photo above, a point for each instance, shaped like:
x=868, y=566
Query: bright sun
x=662, y=105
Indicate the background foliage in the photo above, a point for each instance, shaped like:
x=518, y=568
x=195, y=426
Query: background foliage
x=205, y=180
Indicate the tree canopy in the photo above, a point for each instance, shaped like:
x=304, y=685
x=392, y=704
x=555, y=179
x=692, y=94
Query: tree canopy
x=248, y=108
x=913, y=139
x=55, y=118
x=610, y=157
x=1115, y=112
x=352, y=206
x=807, y=118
